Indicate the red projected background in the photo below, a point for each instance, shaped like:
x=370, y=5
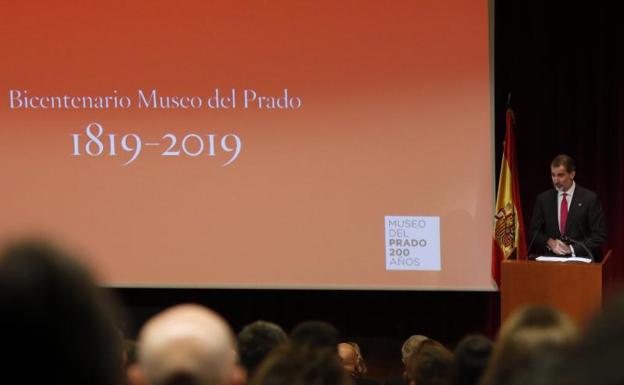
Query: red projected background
x=253, y=144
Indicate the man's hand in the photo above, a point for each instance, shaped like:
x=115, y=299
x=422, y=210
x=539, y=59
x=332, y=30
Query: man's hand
x=558, y=247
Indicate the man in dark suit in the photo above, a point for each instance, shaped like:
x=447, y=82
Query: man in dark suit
x=567, y=217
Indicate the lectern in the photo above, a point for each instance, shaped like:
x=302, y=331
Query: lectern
x=576, y=288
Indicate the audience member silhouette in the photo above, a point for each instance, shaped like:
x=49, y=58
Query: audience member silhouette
x=598, y=358
x=256, y=341
x=56, y=326
x=315, y=334
x=528, y=336
x=429, y=364
x=471, y=357
x=302, y=365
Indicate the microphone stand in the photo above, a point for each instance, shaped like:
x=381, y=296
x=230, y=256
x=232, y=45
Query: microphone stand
x=537, y=230
x=569, y=240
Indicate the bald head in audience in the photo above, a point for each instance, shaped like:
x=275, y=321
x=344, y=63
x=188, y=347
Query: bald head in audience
x=351, y=358
x=186, y=345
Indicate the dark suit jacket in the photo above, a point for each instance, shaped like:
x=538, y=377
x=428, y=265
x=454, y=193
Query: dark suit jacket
x=585, y=221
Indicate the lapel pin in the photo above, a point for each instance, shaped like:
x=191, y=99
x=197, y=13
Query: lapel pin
x=580, y=204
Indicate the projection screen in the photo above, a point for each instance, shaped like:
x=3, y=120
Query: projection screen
x=263, y=144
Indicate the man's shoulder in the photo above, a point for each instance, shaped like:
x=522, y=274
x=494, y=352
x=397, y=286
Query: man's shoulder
x=584, y=193
x=548, y=194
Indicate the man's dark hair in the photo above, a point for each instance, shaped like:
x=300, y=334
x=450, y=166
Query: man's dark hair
x=471, y=358
x=56, y=319
x=256, y=341
x=301, y=365
x=315, y=334
x=564, y=160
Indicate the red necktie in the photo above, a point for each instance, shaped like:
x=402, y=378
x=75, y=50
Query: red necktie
x=564, y=214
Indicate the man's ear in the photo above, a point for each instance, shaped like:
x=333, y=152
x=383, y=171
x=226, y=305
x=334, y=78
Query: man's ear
x=135, y=375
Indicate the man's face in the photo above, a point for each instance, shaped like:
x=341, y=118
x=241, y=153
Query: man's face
x=561, y=178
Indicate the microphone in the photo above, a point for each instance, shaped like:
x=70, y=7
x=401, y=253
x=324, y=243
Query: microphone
x=569, y=240
x=537, y=230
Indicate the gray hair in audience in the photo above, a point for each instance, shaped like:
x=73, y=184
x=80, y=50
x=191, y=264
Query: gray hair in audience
x=410, y=345
x=429, y=364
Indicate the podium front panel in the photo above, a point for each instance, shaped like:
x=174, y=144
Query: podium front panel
x=574, y=288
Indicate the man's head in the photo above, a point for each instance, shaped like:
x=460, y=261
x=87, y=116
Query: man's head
x=429, y=364
x=256, y=341
x=301, y=365
x=562, y=172
x=598, y=358
x=186, y=345
x=351, y=358
x=411, y=344
x=528, y=335
x=471, y=358
x=315, y=334
x=55, y=320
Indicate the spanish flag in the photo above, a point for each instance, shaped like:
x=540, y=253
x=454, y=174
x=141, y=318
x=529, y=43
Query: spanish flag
x=508, y=225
